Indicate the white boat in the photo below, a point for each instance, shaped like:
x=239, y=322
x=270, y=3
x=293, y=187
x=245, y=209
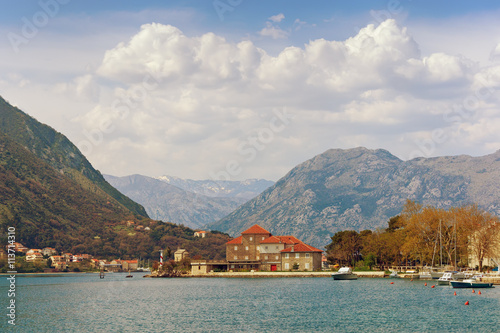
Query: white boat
x=450, y=276
x=473, y=282
x=345, y=273
x=394, y=275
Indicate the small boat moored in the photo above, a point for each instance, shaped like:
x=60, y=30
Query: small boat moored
x=344, y=273
x=394, y=275
x=473, y=282
x=450, y=276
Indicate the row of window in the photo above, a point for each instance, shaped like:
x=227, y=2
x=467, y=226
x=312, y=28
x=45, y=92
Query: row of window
x=251, y=238
x=287, y=266
x=258, y=248
x=297, y=255
x=287, y=256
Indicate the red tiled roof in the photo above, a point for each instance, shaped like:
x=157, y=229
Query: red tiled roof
x=271, y=240
x=289, y=240
x=237, y=240
x=281, y=240
x=255, y=229
x=131, y=261
x=301, y=247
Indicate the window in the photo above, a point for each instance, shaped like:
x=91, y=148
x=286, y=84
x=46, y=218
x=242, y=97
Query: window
x=235, y=248
x=277, y=247
x=287, y=255
x=263, y=237
x=277, y=257
x=297, y=255
x=307, y=255
x=265, y=247
x=287, y=266
x=258, y=247
x=246, y=248
x=267, y=257
x=235, y=257
x=307, y=265
x=258, y=257
x=232, y=266
x=251, y=238
x=246, y=257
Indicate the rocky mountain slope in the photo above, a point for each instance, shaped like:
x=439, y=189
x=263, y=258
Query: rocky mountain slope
x=193, y=203
x=56, y=150
x=361, y=189
x=246, y=189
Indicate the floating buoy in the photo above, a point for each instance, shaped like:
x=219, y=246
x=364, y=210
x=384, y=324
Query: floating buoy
x=425, y=284
x=467, y=303
x=455, y=293
x=473, y=291
x=479, y=292
x=411, y=280
x=392, y=282
x=433, y=286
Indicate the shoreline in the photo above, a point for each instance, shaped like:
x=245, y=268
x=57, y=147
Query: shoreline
x=374, y=274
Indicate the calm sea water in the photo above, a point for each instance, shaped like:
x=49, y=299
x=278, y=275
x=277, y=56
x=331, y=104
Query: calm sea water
x=85, y=303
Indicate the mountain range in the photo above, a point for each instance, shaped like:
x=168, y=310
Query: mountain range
x=193, y=203
x=361, y=189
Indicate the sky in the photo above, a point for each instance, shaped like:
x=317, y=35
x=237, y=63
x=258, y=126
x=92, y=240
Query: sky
x=239, y=89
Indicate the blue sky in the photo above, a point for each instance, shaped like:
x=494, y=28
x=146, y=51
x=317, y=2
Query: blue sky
x=248, y=89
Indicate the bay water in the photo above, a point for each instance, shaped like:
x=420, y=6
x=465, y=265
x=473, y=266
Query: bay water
x=86, y=303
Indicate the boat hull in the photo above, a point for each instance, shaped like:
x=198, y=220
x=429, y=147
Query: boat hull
x=462, y=284
x=443, y=283
x=344, y=276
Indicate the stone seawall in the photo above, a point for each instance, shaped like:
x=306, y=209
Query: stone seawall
x=281, y=274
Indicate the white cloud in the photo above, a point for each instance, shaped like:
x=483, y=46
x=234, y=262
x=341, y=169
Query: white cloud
x=273, y=31
x=277, y=18
x=165, y=101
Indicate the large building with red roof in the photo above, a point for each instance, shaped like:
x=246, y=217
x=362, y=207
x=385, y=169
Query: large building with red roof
x=258, y=249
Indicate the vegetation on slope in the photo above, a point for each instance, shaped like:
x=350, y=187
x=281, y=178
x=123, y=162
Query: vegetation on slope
x=55, y=149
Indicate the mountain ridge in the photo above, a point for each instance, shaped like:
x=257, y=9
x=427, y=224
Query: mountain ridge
x=186, y=202
x=360, y=188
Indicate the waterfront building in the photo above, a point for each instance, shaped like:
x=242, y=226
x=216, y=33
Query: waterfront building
x=258, y=249
x=180, y=254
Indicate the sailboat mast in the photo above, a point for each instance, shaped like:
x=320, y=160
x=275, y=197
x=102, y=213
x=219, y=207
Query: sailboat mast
x=440, y=244
x=455, y=228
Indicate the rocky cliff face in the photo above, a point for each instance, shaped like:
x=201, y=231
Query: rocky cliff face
x=361, y=189
x=193, y=203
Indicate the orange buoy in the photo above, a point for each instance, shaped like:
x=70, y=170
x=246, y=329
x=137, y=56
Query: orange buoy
x=433, y=286
x=392, y=282
x=479, y=292
x=455, y=293
x=425, y=284
x=473, y=291
x=411, y=280
x=467, y=303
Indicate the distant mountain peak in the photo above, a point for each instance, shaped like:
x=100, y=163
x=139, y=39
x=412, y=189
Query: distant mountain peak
x=361, y=188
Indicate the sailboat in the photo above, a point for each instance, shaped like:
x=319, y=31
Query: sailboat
x=129, y=275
